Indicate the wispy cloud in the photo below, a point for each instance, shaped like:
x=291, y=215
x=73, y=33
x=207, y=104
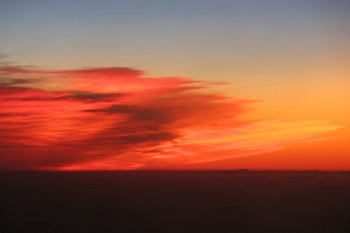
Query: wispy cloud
x=118, y=118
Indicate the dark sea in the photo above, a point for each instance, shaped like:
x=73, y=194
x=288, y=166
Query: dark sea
x=175, y=201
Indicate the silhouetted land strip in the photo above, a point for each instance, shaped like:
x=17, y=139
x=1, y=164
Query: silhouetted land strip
x=175, y=201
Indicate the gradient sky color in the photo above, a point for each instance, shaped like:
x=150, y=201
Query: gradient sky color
x=174, y=84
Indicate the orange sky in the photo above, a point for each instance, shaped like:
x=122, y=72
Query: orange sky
x=119, y=118
x=174, y=84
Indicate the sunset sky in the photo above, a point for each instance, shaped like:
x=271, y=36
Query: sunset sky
x=187, y=84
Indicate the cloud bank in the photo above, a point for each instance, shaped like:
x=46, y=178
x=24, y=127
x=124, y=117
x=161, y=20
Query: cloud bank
x=118, y=118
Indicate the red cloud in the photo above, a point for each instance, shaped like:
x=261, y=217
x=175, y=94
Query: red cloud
x=52, y=119
x=116, y=118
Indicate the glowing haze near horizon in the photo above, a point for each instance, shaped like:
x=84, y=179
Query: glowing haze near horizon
x=108, y=85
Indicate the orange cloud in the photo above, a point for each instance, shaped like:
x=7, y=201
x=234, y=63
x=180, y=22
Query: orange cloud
x=117, y=118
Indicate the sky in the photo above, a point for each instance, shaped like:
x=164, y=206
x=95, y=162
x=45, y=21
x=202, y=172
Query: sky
x=123, y=85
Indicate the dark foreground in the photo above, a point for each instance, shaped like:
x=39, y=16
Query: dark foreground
x=156, y=201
